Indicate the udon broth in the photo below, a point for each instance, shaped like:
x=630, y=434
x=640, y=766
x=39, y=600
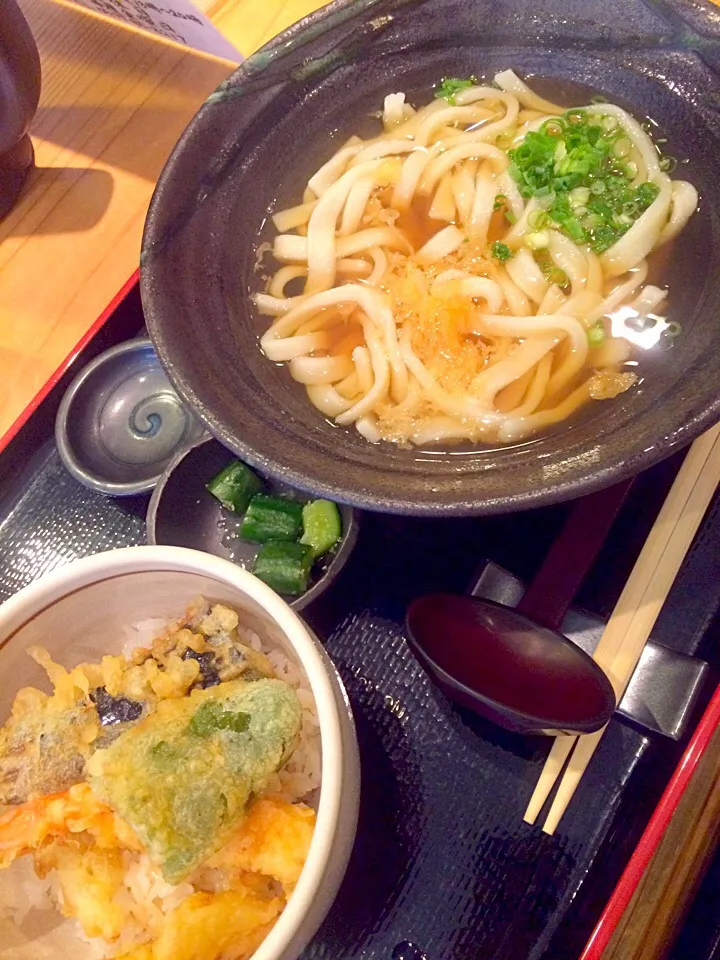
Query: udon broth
x=478, y=271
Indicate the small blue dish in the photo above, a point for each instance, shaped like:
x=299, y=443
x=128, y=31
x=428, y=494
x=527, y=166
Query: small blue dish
x=121, y=422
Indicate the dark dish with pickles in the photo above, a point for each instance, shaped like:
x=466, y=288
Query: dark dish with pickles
x=292, y=535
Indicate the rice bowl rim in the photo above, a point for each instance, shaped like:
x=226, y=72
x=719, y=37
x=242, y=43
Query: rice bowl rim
x=38, y=596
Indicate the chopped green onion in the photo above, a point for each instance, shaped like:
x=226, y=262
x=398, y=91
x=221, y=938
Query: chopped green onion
x=510, y=217
x=558, y=276
x=576, y=117
x=560, y=152
x=668, y=164
x=554, y=127
x=621, y=148
x=500, y=200
x=591, y=221
x=646, y=194
x=538, y=219
x=501, y=251
x=451, y=86
x=574, y=229
x=580, y=170
x=579, y=197
x=596, y=334
x=673, y=329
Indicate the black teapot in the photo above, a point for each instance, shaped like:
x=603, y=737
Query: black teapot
x=19, y=96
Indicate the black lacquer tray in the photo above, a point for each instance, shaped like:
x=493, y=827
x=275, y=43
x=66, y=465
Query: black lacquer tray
x=443, y=858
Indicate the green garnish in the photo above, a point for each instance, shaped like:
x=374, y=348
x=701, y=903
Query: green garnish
x=501, y=251
x=451, y=86
x=552, y=273
x=673, y=329
x=558, y=276
x=272, y=518
x=500, y=200
x=538, y=220
x=235, y=486
x=510, y=217
x=596, y=334
x=322, y=526
x=211, y=716
x=576, y=165
x=284, y=566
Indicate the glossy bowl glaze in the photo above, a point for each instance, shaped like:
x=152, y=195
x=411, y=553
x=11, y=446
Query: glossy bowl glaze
x=79, y=614
x=120, y=421
x=285, y=110
x=182, y=513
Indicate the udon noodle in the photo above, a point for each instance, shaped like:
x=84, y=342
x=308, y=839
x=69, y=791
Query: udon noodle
x=460, y=276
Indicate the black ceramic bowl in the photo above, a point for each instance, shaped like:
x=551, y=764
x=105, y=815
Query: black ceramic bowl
x=255, y=142
x=183, y=514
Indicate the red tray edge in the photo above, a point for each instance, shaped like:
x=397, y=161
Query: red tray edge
x=653, y=834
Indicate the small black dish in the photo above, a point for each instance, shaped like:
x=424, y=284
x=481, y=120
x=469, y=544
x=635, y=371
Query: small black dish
x=183, y=514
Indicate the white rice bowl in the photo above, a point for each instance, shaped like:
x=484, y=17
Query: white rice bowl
x=115, y=602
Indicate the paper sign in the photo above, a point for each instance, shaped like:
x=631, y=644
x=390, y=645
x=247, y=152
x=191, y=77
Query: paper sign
x=178, y=20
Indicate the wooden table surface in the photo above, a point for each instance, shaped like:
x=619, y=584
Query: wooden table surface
x=113, y=104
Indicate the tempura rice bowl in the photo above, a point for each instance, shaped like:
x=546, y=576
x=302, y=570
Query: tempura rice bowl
x=113, y=602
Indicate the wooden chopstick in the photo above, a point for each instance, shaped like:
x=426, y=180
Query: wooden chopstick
x=636, y=611
x=560, y=751
x=645, y=593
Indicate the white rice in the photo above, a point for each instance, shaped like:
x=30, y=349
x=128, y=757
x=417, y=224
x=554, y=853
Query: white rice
x=147, y=896
x=143, y=633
